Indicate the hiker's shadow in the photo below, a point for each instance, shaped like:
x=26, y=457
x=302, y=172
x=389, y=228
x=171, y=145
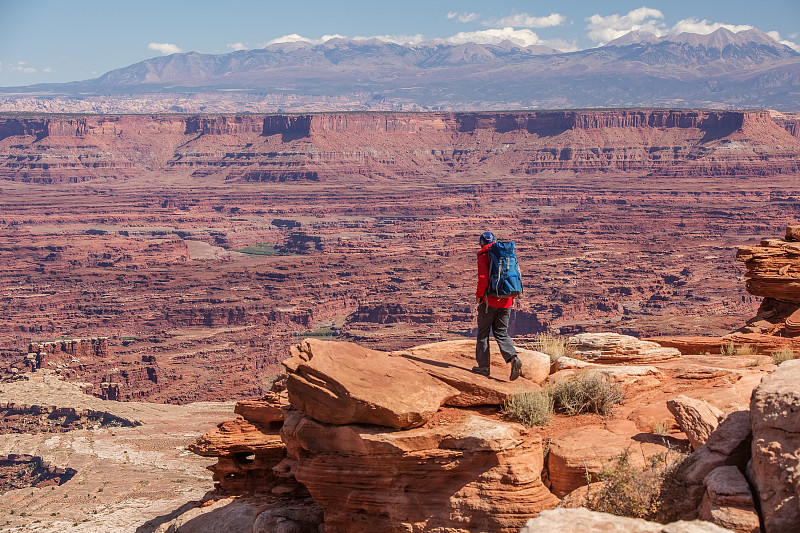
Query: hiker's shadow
x=444, y=365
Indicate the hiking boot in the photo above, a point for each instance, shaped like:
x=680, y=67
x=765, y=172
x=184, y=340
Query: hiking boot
x=516, y=368
x=482, y=370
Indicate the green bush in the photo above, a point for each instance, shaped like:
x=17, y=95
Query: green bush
x=322, y=331
x=262, y=248
x=587, y=392
x=530, y=408
x=783, y=354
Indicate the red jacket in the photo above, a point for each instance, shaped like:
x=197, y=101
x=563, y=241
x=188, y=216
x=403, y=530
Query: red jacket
x=483, y=280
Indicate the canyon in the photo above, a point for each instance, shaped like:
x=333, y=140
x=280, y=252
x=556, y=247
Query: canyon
x=201, y=247
x=314, y=275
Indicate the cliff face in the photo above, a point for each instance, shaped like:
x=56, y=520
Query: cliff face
x=328, y=146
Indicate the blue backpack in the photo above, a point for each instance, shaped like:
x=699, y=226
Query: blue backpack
x=504, y=277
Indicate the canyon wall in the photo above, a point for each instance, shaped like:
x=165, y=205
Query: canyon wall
x=178, y=238
x=328, y=146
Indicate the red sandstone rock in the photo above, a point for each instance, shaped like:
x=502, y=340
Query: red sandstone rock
x=343, y=383
x=586, y=451
x=728, y=501
x=698, y=419
x=452, y=361
x=246, y=454
x=728, y=445
x=775, y=415
x=260, y=411
x=771, y=269
x=585, y=521
x=465, y=474
x=615, y=348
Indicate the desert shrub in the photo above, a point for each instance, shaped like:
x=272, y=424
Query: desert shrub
x=553, y=345
x=587, y=392
x=727, y=349
x=741, y=349
x=662, y=427
x=530, y=408
x=746, y=349
x=647, y=493
x=783, y=354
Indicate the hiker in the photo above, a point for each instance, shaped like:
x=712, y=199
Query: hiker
x=493, y=315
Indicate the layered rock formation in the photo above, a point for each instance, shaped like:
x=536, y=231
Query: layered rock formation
x=390, y=455
x=465, y=474
x=469, y=468
x=773, y=272
x=322, y=146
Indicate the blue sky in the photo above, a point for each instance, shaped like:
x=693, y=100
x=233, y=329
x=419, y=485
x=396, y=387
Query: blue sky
x=60, y=40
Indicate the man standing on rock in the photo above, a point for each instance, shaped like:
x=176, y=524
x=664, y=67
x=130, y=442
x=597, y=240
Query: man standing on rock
x=493, y=315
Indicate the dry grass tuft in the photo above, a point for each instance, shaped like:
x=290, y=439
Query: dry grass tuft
x=783, y=354
x=530, y=408
x=587, y=391
x=628, y=491
x=554, y=346
x=739, y=350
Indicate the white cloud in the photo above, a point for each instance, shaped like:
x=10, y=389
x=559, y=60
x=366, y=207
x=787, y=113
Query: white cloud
x=237, y=46
x=520, y=37
x=777, y=36
x=165, y=48
x=48, y=69
x=463, y=17
x=495, y=36
x=396, y=39
x=293, y=38
x=560, y=44
x=604, y=29
x=20, y=66
x=705, y=27
x=524, y=20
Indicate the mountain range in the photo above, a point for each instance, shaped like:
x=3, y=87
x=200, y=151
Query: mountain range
x=719, y=70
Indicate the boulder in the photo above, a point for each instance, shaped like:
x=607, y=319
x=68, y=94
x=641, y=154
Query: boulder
x=343, y=383
x=728, y=502
x=256, y=515
x=618, y=372
x=264, y=412
x=452, y=361
x=728, y=445
x=615, y=348
x=298, y=517
x=227, y=514
x=775, y=417
x=696, y=418
x=459, y=473
x=586, y=521
x=586, y=451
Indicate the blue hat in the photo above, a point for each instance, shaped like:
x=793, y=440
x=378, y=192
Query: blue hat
x=487, y=237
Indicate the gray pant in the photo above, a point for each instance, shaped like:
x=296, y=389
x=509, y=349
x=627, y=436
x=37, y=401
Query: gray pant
x=493, y=320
